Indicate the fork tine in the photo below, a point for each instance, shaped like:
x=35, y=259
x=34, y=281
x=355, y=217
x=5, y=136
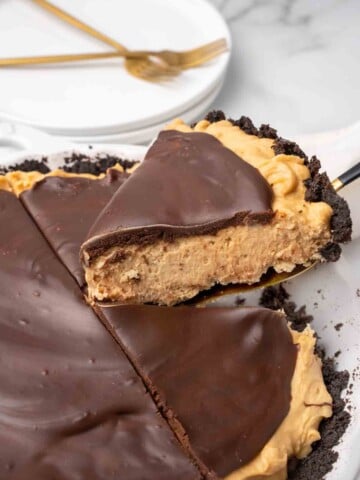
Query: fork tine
x=196, y=59
x=199, y=60
x=150, y=71
x=220, y=43
x=198, y=54
x=159, y=72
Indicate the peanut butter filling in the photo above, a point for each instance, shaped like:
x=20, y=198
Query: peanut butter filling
x=310, y=403
x=21, y=181
x=285, y=173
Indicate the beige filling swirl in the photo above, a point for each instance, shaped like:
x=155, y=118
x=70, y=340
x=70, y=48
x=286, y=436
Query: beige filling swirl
x=19, y=181
x=285, y=173
x=310, y=403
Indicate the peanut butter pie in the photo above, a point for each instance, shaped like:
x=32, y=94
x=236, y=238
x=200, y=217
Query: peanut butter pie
x=177, y=393
x=217, y=203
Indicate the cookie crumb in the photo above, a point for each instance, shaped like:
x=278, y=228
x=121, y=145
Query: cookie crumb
x=277, y=298
x=28, y=165
x=239, y=301
x=323, y=456
x=80, y=163
x=75, y=163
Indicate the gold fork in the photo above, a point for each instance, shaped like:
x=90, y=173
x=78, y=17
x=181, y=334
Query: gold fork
x=153, y=71
x=150, y=65
x=142, y=67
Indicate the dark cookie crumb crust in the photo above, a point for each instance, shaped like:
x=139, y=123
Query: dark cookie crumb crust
x=79, y=163
x=319, y=189
x=75, y=163
x=323, y=456
x=277, y=298
x=28, y=165
x=318, y=186
x=331, y=252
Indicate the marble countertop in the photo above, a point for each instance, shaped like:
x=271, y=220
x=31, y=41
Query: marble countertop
x=295, y=63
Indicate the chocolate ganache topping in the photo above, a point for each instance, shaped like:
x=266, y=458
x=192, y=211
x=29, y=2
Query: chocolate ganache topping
x=189, y=183
x=71, y=404
x=65, y=208
x=225, y=373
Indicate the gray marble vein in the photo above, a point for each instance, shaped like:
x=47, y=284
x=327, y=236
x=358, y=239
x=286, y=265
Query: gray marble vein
x=295, y=63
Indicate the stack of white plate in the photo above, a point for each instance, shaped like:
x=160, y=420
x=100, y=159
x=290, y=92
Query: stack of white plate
x=98, y=101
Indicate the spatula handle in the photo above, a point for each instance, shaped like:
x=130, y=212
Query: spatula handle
x=347, y=177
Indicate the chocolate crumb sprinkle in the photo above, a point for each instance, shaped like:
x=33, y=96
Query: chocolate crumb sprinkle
x=322, y=458
x=246, y=125
x=75, y=163
x=215, y=116
x=320, y=189
x=28, y=165
x=239, y=301
x=331, y=252
x=287, y=147
x=277, y=298
x=80, y=163
x=265, y=131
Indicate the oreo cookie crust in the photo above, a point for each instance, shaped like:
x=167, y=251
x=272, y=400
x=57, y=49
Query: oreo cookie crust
x=323, y=456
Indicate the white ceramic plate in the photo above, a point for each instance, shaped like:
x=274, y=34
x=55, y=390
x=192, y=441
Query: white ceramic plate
x=102, y=99
x=146, y=134
x=329, y=293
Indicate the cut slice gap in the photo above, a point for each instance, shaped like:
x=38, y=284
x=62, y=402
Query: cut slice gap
x=166, y=412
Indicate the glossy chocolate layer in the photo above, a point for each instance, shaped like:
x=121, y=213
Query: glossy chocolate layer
x=188, y=184
x=71, y=405
x=122, y=447
x=224, y=372
x=65, y=208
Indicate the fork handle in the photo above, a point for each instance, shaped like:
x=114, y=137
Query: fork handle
x=347, y=177
x=80, y=25
x=20, y=61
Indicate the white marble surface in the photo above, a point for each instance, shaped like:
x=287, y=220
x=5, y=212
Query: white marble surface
x=295, y=64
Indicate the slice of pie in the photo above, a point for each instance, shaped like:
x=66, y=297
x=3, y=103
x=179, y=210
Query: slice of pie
x=219, y=203
x=241, y=390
